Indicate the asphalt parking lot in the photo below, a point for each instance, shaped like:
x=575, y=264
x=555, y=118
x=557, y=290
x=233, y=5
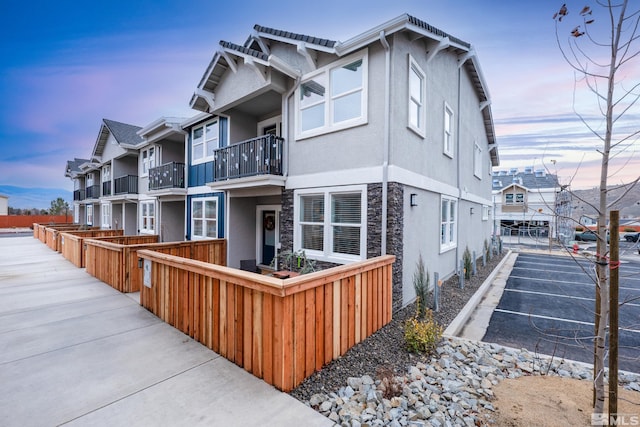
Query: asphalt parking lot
x=548, y=307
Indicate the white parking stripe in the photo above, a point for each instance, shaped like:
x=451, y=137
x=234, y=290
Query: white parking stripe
x=522, y=291
x=530, y=279
x=539, y=316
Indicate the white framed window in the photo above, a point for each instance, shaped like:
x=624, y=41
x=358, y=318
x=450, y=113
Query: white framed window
x=333, y=98
x=417, y=95
x=76, y=214
x=149, y=159
x=89, y=214
x=204, y=218
x=148, y=217
x=486, y=211
x=89, y=179
x=205, y=139
x=448, y=223
x=477, y=160
x=330, y=223
x=106, y=173
x=448, y=131
x=105, y=210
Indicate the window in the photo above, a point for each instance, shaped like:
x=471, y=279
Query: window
x=331, y=223
x=106, y=173
x=448, y=131
x=205, y=139
x=448, y=217
x=89, y=214
x=76, y=214
x=149, y=159
x=105, y=209
x=508, y=198
x=416, y=98
x=204, y=218
x=485, y=212
x=477, y=161
x=333, y=98
x=519, y=198
x=511, y=198
x=147, y=217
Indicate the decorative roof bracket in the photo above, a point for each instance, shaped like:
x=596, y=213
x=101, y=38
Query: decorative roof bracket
x=207, y=96
x=441, y=45
x=311, y=57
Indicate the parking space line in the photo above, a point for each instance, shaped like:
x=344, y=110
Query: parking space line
x=566, y=282
x=522, y=291
x=539, y=316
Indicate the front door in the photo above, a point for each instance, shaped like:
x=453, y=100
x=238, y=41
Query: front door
x=269, y=240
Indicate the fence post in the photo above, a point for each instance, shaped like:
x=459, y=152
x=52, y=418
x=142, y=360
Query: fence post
x=461, y=275
x=484, y=258
x=436, y=292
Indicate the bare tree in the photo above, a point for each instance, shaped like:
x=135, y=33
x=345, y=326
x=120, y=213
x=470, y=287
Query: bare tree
x=602, y=47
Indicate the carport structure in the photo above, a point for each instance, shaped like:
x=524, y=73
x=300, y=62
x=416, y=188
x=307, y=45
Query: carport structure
x=548, y=307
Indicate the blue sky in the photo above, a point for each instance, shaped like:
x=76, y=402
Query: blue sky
x=65, y=65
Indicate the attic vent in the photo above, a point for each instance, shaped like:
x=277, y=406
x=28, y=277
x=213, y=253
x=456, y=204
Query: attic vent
x=540, y=173
x=517, y=180
x=513, y=171
x=503, y=173
x=528, y=170
x=497, y=183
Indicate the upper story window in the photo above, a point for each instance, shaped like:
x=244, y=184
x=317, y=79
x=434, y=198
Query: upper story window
x=477, y=161
x=205, y=139
x=513, y=198
x=448, y=131
x=417, y=95
x=149, y=157
x=333, y=98
x=448, y=223
x=330, y=223
x=89, y=212
x=106, y=173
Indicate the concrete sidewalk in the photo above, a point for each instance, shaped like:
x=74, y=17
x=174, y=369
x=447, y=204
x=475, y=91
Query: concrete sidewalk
x=73, y=351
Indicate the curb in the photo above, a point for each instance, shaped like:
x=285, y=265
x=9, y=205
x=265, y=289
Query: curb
x=456, y=326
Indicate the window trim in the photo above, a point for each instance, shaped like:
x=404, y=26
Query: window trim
x=448, y=137
x=192, y=218
x=450, y=224
x=145, y=229
x=328, y=101
x=485, y=212
x=477, y=160
x=422, y=115
x=327, y=253
x=105, y=211
x=149, y=161
x=205, y=140
x=89, y=214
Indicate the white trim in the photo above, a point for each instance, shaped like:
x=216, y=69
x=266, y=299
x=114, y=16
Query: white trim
x=420, y=129
x=328, y=103
x=141, y=217
x=326, y=254
x=452, y=225
x=448, y=149
x=205, y=140
x=259, y=210
x=105, y=208
x=477, y=160
x=277, y=120
x=203, y=200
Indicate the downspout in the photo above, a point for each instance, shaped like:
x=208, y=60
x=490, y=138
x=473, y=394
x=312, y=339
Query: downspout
x=458, y=155
x=386, y=145
x=285, y=125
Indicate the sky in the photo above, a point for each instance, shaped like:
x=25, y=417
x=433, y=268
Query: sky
x=66, y=65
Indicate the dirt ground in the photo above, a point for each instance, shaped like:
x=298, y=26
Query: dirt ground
x=553, y=401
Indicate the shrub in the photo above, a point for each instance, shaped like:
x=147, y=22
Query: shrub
x=466, y=261
x=422, y=334
x=421, y=286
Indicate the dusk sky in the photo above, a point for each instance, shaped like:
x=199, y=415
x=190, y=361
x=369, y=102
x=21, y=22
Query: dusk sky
x=66, y=65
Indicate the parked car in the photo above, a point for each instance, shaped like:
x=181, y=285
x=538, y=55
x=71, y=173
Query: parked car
x=588, y=236
x=631, y=237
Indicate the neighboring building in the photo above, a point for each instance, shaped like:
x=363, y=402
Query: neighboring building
x=106, y=185
x=531, y=203
x=162, y=184
x=382, y=144
x=4, y=204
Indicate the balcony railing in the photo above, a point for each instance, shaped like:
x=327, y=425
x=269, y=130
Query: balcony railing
x=93, y=192
x=257, y=156
x=170, y=175
x=106, y=188
x=127, y=184
x=79, y=194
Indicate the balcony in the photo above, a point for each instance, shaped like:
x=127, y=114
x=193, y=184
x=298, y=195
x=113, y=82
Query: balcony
x=93, y=192
x=257, y=156
x=78, y=195
x=170, y=175
x=127, y=184
x=106, y=188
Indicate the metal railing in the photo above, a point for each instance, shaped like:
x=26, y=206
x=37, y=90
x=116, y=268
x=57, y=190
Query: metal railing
x=127, y=184
x=79, y=194
x=169, y=175
x=93, y=192
x=106, y=188
x=256, y=156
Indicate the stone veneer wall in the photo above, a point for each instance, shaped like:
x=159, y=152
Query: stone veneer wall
x=395, y=215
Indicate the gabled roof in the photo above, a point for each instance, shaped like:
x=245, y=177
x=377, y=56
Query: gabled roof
x=125, y=135
x=531, y=181
x=256, y=48
x=73, y=167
